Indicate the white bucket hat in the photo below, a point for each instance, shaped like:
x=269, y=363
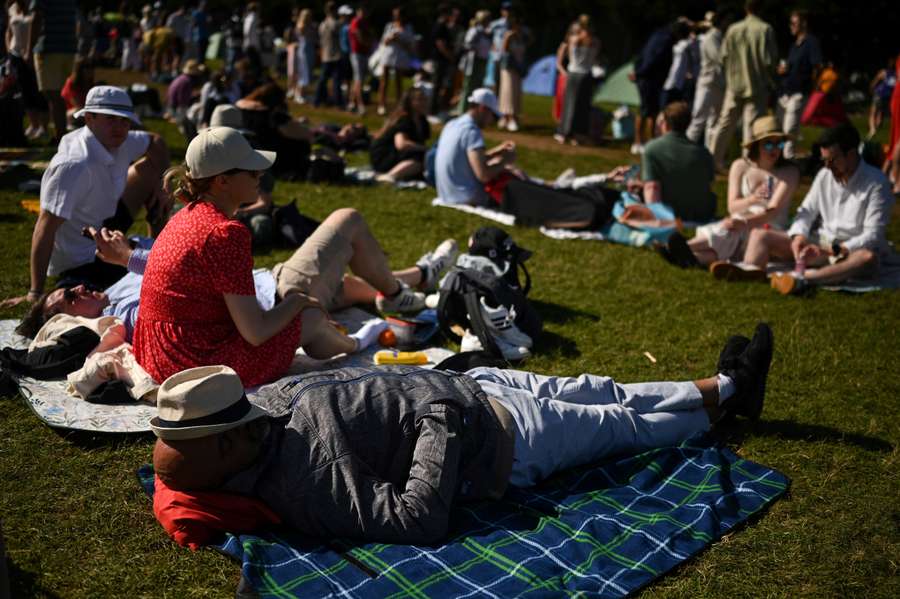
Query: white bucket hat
x=199, y=402
x=486, y=98
x=220, y=149
x=106, y=99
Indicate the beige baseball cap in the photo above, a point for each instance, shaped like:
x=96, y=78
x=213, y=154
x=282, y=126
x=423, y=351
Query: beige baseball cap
x=202, y=401
x=220, y=149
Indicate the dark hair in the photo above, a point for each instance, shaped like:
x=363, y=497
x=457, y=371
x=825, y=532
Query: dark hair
x=752, y=6
x=845, y=136
x=404, y=108
x=677, y=116
x=269, y=94
x=330, y=8
x=802, y=15
x=35, y=318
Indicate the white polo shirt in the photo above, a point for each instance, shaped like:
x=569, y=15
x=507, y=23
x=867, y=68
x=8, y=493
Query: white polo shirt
x=83, y=185
x=855, y=214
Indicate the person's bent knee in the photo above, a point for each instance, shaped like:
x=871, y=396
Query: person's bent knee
x=345, y=216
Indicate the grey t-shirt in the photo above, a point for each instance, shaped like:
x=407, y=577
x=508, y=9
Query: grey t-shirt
x=456, y=181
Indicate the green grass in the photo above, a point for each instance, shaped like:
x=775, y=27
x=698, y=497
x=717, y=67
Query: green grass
x=77, y=524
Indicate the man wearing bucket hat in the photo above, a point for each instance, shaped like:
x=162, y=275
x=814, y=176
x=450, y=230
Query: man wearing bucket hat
x=443, y=437
x=102, y=173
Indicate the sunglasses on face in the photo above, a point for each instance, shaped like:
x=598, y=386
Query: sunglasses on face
x=237, y=171
x=771, y=146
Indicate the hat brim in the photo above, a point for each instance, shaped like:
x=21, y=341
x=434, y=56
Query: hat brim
x=258, y=160
x=772, y=135
x=196, y=432
x=110, y=111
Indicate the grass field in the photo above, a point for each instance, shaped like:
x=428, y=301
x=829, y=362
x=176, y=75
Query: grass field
x=77, y=524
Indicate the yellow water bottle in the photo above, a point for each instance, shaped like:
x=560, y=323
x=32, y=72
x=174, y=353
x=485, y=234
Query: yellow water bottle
x=392, y=356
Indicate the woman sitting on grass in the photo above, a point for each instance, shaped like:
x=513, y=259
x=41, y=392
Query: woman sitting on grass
x=760, y=188
x=398, y=150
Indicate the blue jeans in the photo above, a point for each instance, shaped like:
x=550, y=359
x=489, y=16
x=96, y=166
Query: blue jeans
x=563, y=422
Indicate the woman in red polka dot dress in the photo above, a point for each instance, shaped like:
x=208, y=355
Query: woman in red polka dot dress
x=198, y=302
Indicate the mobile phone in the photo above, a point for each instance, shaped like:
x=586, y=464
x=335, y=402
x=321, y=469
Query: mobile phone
x=86, y=232
x=632, y=172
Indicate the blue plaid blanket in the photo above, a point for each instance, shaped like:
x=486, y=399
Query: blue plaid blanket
x=604, y=531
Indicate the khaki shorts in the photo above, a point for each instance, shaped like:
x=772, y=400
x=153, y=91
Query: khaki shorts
x=52, y=70
x=317, y=268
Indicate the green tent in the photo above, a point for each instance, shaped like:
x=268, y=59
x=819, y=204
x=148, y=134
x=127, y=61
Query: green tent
x=618, y=88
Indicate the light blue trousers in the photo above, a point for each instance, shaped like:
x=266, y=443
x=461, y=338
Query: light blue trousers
x=562, y=422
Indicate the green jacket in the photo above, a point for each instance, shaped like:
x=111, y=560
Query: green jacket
x=750, y=57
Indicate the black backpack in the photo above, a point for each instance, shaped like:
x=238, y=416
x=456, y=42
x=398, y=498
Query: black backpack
x=460, y=306
x=496, y=245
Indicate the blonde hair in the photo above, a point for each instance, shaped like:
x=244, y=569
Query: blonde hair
x=481, y=17
x=178, y=183
x=305, y=18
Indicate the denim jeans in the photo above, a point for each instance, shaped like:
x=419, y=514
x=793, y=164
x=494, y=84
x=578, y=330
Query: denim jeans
x=330, y=71
x=564, y=422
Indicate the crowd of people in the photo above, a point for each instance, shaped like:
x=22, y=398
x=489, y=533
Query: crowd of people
x=204, y=325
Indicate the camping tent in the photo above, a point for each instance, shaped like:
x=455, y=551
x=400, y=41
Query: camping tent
x=618, y=88
x=541, y=78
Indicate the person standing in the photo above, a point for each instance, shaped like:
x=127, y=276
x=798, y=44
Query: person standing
x=200, y=30
x=650, y=70
x=330, y=45
x=443, y=57
x=710, y=84
x=477, y=47
x=797, y=74
x=397, y=42
x=512, y=69
x=496, y=30
x=53, y=45
x=17, y=39
x=583, y=50
x=251, y=28
x=360, y=48
x=749, y=57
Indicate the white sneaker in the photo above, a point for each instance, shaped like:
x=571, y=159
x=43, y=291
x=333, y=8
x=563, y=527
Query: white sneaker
x=405, y=301
x=470, y=342
x=433, y=264
x=637, y=149
x=501, y=322
x=565, y=178
x=511, y=351
x=512, y=126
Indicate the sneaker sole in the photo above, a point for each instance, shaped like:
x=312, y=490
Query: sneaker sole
x=759, y=393
x=784, y=284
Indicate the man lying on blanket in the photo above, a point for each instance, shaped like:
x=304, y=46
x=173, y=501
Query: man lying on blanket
x=344, y=238
x=384, y=454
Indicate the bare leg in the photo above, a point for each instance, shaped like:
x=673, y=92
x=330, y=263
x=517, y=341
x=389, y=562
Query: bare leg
x=382, y=88
x=405, y=169
x=859, y=262
x=765, y=243
x=358, y=291
x=702, y=252
x=58, y=112
x=709, y=391
x=638, y=129
x=319, y=339
x=139, y=189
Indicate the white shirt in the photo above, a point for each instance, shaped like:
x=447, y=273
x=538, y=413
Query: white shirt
x=83, y=185
x=20, y=28
x=251, y=31
x=855, y=215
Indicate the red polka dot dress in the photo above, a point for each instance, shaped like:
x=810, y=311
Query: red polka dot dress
x=184, y=322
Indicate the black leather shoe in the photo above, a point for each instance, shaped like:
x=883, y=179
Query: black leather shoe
x=681, y=252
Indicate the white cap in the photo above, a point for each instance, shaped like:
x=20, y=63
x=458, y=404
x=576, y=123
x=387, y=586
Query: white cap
x=106, y=99
x=219, y=149
x=227, y=115
x=199, y=402
x=345, y=10
x=486, y=98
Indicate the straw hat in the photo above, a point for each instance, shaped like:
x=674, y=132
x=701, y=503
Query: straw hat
x=199, y=402
x=765, y=127
x=192, y=68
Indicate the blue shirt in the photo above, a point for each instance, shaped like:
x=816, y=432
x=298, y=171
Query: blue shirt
x=125, y=294
x=344, y=39
x=456, y=181
x=802, y=61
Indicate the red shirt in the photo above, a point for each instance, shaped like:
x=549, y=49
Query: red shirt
x=359, y=43
x=184, y=322
x=73, y=96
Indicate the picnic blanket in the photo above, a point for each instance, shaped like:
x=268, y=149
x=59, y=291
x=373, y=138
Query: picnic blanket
x=603, y=531
x=58, y=409
x=366, y=176
x=888, y=276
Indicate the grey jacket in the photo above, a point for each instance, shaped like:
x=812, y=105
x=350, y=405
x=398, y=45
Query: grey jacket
x=378, y=454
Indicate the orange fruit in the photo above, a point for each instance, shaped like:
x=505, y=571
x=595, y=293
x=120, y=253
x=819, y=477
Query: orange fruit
x=387, y=338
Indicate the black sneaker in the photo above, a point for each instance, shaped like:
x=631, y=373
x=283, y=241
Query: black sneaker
x=749, y=372
x=663, y=251
x=681, y=252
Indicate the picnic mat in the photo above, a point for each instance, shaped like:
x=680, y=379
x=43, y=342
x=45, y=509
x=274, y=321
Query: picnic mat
x=56, y=408
x=604, y=531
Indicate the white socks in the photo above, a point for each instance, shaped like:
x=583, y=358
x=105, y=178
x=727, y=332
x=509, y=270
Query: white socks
x=368, y=333
x=726, y=387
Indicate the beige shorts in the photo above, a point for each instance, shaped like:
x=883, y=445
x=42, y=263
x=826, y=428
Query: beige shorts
x=726, y=244
x=317, y=268
x=53, y=70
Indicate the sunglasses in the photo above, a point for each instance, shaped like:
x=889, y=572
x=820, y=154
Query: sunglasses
x=770, y=146
x=237, y=171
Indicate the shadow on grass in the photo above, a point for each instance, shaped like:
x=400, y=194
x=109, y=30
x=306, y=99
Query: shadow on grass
x=95, y=440
x=551, y=343
x=23, y=583
x=556, y=313
x=789, y=430
x=11, y=217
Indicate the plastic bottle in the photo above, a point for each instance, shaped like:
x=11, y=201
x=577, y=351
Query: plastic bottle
x=392, y=356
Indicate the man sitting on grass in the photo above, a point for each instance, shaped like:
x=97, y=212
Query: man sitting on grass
x=383, y=455
x=466, y=173
x=317, y=268
x=839, y=230
x=102, y=173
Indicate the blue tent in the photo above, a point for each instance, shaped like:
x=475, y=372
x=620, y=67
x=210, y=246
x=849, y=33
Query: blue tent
x=541, y=78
